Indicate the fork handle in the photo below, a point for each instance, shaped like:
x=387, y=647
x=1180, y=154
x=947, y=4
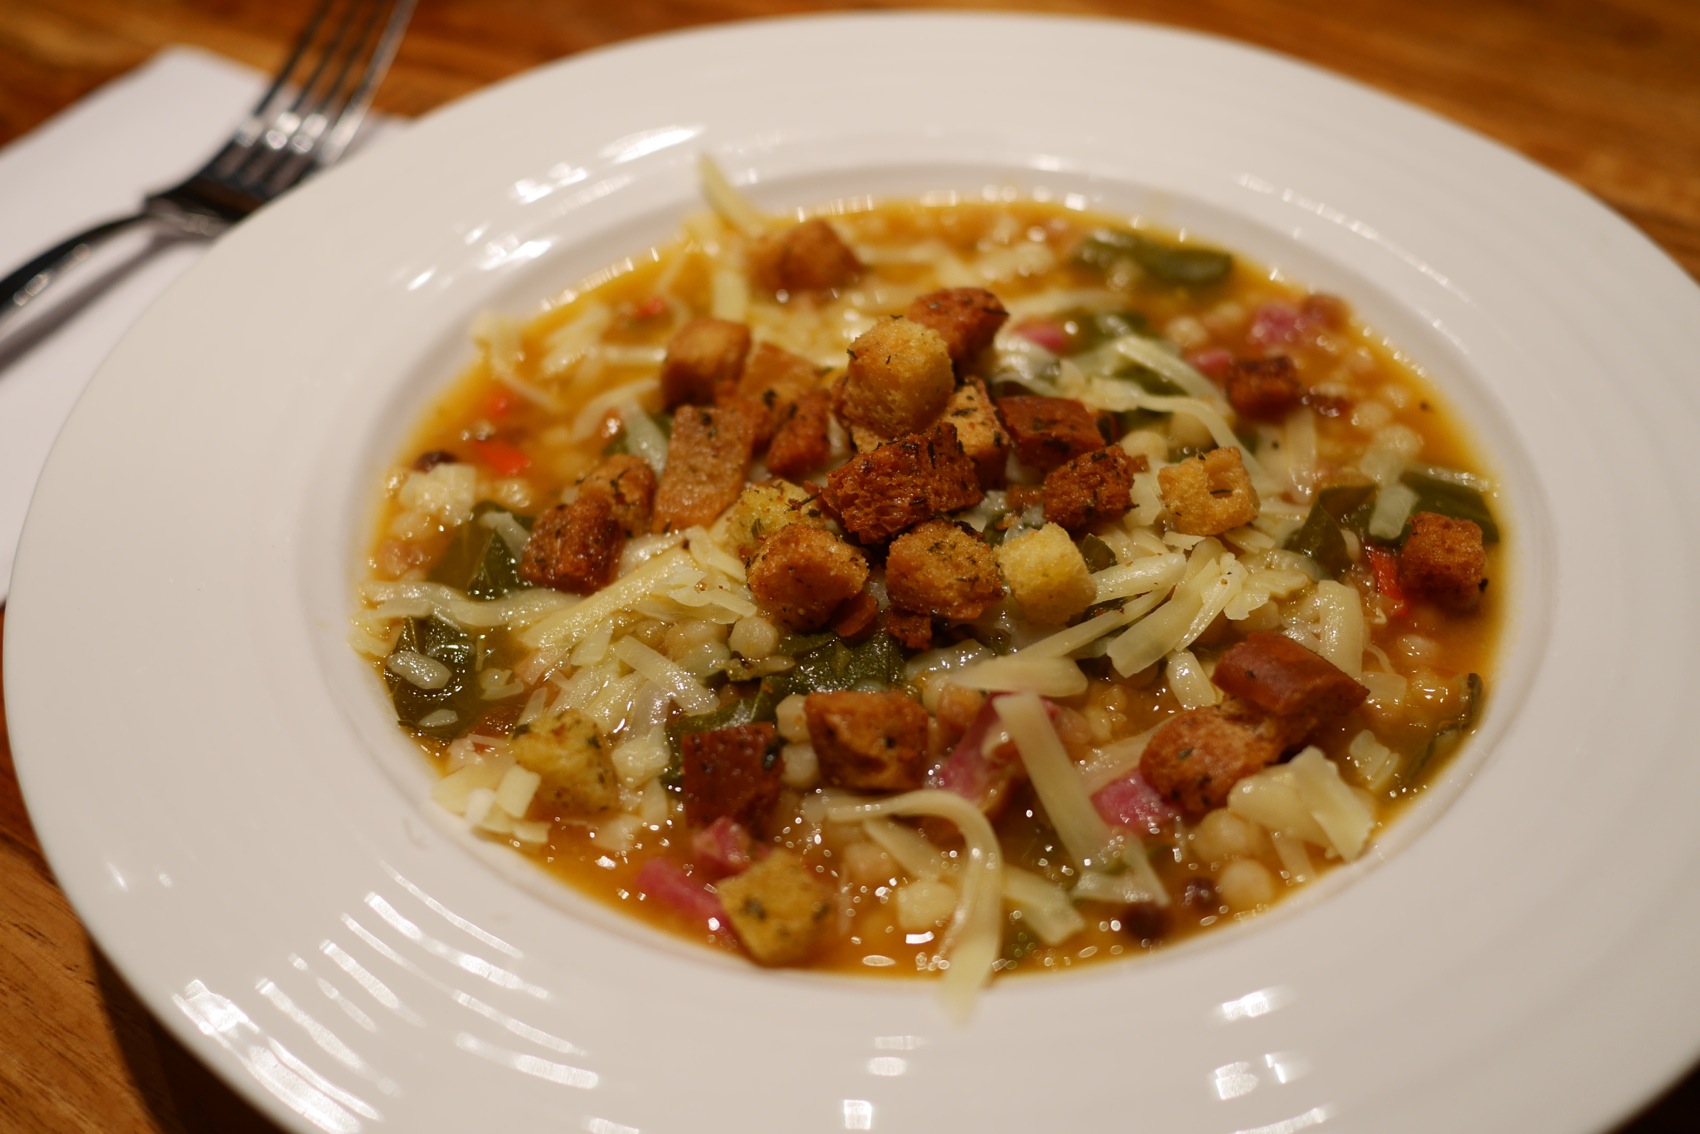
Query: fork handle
x=33, y=278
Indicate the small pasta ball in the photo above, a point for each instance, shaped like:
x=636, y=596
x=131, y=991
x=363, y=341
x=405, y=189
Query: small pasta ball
x=1221, y=835
x=1245, y=884
x=924, y=904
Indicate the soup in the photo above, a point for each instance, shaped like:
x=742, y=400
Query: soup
x=957, y=586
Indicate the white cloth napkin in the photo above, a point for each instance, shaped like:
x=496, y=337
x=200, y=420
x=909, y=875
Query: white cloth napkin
x=94, y=161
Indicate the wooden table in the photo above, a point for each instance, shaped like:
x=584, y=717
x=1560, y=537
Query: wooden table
x=1606, y=94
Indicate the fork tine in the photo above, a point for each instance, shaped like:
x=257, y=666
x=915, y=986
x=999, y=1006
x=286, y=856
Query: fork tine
x=304, y=124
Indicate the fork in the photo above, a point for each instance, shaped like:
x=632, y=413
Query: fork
x=303, y=123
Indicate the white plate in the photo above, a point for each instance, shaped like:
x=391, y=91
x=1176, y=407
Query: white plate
x=217, y=785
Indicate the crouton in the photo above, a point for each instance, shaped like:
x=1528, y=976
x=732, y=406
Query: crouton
x=1092, y=489
x=967, y=318
x=802, y=574
x=912, y=629
x=899, y=378
x=762, y=509
x=942, y=569
x=704, y=358
x=1445, y=561
x=1197, y=756
x=981, y=433
x=802, y=443
x=1047, y=576
x=579, y=778
x=1047, y=432
x=574, y=547
x=628, y=483
x=856, y=616
x=1284, y=679
x=903, y=482
x=780, y=909
x=1209, y=493
x=805, y=257
x=732, y=772
x=1264, y=389
x=708, y=458
x=868, y=741
x=774, y=378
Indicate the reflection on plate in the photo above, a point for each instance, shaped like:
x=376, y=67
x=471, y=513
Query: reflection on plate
x=224, y=798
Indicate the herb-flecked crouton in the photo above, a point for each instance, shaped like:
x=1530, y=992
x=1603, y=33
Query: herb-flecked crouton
x=780, y=909
x=802, y=574
x=942, y=569
x=868, y=741
x=981, y=433
x=1197, y=756
x=1047, y=432
x=967, y=318
x=1094, y=488
x=628, y=484
x=708, y=458
x=1444, y=560
x=578, y=775
x=805, y=257
x=762, y=509
x=574, y=547
x=774, y=379
x=802, y=443
x=1264, y=389
x=704, y=358
x=1047, y=576
x=733, y=772
x=1208, y=493
x=899, y=378
x=903, y=482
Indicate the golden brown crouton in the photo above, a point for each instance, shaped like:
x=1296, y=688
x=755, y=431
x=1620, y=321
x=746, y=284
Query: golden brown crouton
x=1264, y=389
x=1093, y=488
x=903, y=482
x=780, y=909
x=569, y=753
x=1197, y=756
x=912, y=629
x=703, y=360
x=628, y=483
x=805, y=257
x=801, y=575
x=762, y=509
x=708, y=458
x=1444, y=560
x=942, y=569
x=1049, y=431
x=1209, y=493
x=966, y=317
x=1047, y=575
x=574, y=547
x=981, y=433
x=774, y=378
x=899, y=378
x=732, y=772
x=1284, y=679
x=802, y=443
x=868, y=741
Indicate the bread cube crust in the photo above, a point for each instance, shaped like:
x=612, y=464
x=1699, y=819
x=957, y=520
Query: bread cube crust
x=1444, y=560
x=1208, y=493
x=802, y=574
x=942, y=569
x=868, y=741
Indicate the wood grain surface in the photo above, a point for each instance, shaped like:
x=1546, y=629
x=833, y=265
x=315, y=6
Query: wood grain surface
x=1605, y=94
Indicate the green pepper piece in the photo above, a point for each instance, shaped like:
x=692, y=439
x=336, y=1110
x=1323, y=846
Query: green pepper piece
x=876, y=661
x=445, y=642
x=1447, y=736
x=1321, y=537
x=1182, y=265
x=1444, y=498
x=1097, y=553
x=1095, y=328
x=478, y=561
